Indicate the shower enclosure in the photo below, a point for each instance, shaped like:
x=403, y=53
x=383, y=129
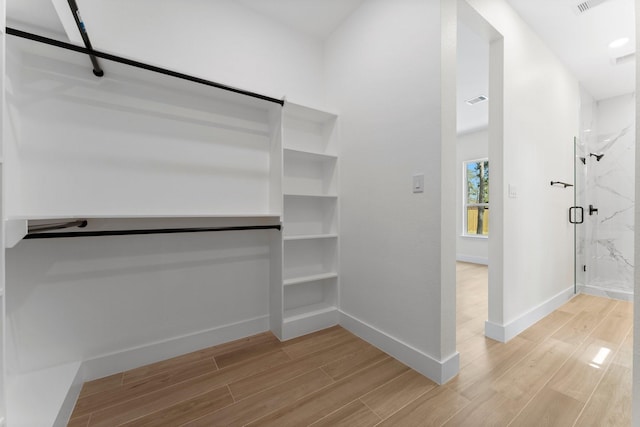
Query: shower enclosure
x=603, y=213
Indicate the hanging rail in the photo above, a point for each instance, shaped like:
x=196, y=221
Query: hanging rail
x=137, y=64
x=98, y=233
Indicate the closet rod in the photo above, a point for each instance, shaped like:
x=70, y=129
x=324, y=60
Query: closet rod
x=98, y=233
x=137, y=64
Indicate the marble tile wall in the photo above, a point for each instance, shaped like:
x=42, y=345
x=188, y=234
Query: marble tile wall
x=608, y=234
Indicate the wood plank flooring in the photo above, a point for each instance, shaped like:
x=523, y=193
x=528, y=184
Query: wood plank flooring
x=572, y=368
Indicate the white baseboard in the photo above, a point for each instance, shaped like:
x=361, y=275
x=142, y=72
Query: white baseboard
x=504, y=333
x=607, y=293
x=473, y=259
x=440, y=372
x=113, y=363
x=304, y=325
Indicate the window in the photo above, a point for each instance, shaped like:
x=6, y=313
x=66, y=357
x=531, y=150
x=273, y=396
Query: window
x=476, y=198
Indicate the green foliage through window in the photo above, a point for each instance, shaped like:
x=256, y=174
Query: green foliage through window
x=476, y=215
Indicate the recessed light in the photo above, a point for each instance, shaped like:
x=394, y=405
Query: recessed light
x=619, y=42
x=587, y=130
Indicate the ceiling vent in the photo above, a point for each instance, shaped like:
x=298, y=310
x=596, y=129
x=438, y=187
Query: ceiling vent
x=583, y=6
x=624, y=59
x=476, y=100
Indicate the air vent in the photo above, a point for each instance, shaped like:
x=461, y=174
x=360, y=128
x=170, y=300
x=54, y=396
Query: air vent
x=586, y=5
x=624, y=59
x=476, y=100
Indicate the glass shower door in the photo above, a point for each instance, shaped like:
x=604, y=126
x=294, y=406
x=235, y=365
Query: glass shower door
x=576, y=214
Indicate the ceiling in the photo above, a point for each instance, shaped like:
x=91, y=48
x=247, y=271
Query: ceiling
x=581, y=40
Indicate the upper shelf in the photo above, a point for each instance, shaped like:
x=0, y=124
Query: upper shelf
x=295, y=154
x=203, y=216
x=307, y=113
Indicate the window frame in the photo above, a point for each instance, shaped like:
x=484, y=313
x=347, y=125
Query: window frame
x=465, y=198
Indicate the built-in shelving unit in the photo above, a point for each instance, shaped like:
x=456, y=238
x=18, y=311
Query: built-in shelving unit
x=310, y=270
x=133, y=151
x=181, y=157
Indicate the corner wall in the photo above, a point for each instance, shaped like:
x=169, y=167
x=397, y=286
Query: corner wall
x=541, y=113
x=383, y=77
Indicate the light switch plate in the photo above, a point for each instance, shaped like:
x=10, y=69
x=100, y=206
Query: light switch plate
x=418, y=183
x=513, y=191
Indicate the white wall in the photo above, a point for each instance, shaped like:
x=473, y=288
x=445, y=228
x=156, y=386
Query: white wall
x=77, y=299
x=541, y=105
x=383, y=77
x=636, y=293
x=470, y=146
x=218, y=40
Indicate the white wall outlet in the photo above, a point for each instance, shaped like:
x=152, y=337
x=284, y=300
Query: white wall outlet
x=418, y=183
x=513, y=191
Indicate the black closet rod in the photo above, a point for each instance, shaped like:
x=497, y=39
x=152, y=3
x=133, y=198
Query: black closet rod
x=147, y=231
x=137, y=64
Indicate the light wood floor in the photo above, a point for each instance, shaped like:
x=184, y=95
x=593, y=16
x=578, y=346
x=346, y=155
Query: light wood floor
x=571, y=368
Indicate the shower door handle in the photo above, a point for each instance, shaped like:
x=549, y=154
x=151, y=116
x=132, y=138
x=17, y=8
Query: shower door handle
x=573, y=217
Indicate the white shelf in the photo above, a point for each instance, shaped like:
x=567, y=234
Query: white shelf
x=46, y=390
x=308, y=155
x=310, y=278
x=310, y=114
x=307, y=311
x=310, y=237
x=142, y=216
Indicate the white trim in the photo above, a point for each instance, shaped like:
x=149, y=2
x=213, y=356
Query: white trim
x=134, y=357
x=64, y=415
x=438, y=371
x=309, y=322
x=618, y=294
x=474, y=236
x=504, y=333
x=43, y=398
x=473, y=259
